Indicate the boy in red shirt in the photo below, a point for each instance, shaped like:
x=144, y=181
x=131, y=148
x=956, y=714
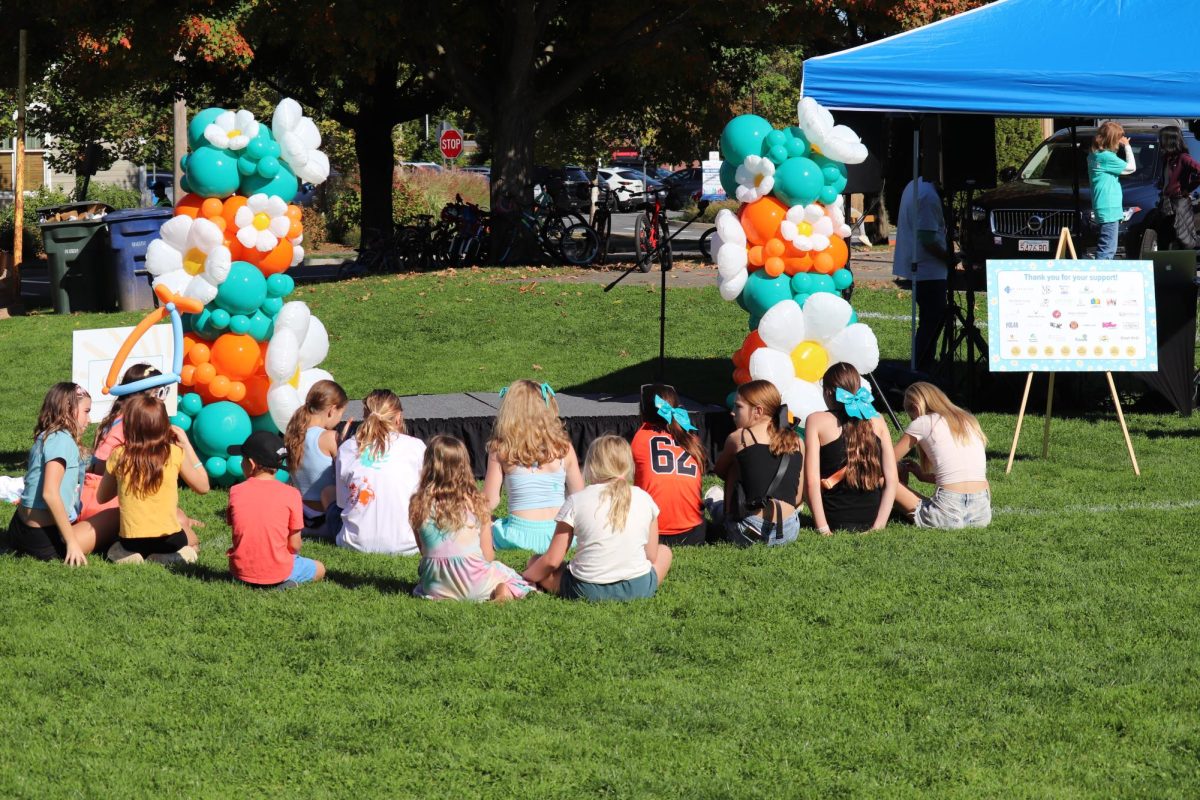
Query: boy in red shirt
x=267, y=517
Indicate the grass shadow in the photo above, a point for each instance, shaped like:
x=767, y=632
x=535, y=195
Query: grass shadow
x=382, y=585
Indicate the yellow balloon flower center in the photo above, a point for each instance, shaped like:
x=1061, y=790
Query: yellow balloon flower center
x=804, y=228
x=810, y=361
x=758, y=179
x=261, y=221
x=193, y=261
x=234, y=132
x=295, y=379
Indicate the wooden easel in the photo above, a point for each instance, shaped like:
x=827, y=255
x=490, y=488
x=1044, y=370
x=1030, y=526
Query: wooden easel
x=1065, y=244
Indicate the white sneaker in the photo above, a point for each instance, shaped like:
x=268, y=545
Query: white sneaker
x=715, y=494
x=119, y=555
x=184, y=555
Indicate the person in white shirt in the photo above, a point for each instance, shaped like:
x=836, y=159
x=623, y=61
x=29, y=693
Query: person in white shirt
x=615, y=528
x=378, y=469
x=921, y=239
x=952, y=455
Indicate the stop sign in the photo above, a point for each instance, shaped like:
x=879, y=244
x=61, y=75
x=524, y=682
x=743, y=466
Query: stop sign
x=451, y=142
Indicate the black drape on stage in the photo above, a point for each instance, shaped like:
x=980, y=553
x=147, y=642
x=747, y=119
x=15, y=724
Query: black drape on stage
x=1175, y=299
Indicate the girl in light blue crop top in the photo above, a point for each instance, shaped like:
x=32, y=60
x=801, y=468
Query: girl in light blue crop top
x=312, y=444
x=531, y=459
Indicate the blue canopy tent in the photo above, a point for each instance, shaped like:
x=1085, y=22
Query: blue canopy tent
x=1043, y=58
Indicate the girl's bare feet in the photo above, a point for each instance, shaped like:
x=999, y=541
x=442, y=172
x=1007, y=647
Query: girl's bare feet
x=502, y=594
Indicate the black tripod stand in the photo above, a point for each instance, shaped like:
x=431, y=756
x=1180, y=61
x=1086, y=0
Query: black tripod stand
x=648, y=258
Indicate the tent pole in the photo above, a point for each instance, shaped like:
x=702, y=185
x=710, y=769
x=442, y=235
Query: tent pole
x=1075, y=184
x=913, y=209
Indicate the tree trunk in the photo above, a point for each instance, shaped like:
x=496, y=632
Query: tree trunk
x=512, y=173
x=376, y=165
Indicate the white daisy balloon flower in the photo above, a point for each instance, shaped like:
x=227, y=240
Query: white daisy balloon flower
x=838, y=142
x=299, y=139
x=262, y=222
x=728, y=247
x=808, y=227
x=755, y=178
x=801, y=343
x=231, y=130
x=189, y=257
x=299, y=342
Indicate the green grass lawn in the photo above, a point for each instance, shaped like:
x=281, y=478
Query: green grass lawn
x=1053, y=654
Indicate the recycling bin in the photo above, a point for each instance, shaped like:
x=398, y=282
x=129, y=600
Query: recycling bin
x=75, y=238
x=130, y=233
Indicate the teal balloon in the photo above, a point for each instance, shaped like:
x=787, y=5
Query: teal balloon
x=798, y=182
x=797, y=143
x=212, y=172
x=776, y=137
x=239, y=323
x=802, y=283
x=741, y=300
x=778, y=154
x=219, y=425
x=729, y=179
x=268, y=166
x=824, y=283
x=283, y=183
x=215, y=466
x=730, y=399
x=261, y=326
x=280, y=285
x=801, y=299
x=182, y=420
x=191, y=404
x=243, y=291
x=247, y=166
x=833, y=173
x=219, y=319
x=753, y=323
x=744, y=136
x=233, y=465
x=828, y=195
x=184, y=183
x=842, y=278
x=853, y=317
x=271, y=306
x=263, y=422
x=282, y=475
x=257, y=148
x=200, y=121
x=762, y=291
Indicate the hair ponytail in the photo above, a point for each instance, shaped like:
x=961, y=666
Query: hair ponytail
x=686, y=439
x=764, y=395
x=323, y=396
x=383, y=417
x=610, y=461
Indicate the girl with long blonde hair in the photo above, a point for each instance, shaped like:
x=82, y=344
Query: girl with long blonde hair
x=377, y=471
x=454, y=532
x=47, y=524
x=312, y=442
x=851, y=484
x=531, y=459
x=762, y=465
x=615, y=529
x=952, y=448
x=143, y=473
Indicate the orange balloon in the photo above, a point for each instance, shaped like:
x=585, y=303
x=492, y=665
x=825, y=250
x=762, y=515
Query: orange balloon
x=219, y=386
x=211, y=207
x=741, y=375
x=761, y=219
x=230, y=209
x=255, y=401
x=823, y=263
x=189, y=206
x=774, y=248
x=276, y=260
x=294, y=212
x=199, y=353
x=774, y=266
x=294, y=230
x=752, y=342
x=220, y=223
x=756, y=257
x=802, y=263
x=236, y=356
x=187, y=375
x=237, y=392
x=205, y=373
x=838, y=252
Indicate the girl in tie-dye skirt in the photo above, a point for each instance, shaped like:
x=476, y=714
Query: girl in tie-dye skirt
x=454, y=532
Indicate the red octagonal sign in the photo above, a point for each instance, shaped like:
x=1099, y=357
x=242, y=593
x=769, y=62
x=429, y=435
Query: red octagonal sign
x=451, y=143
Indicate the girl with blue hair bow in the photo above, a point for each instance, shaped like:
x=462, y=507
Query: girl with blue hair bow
x=668, y=463
x=850, y=471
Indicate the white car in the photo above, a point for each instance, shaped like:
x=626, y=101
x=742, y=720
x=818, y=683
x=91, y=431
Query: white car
x=626, y=184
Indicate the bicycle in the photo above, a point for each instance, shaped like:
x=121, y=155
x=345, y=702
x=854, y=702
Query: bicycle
x=601, y=221
x=651, y=234
x=562, y=236
x=377, y=254
x=706, y=243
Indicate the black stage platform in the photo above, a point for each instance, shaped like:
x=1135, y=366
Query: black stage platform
x=469, y=416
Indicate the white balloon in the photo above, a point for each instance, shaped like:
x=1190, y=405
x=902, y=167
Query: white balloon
x=730, y=227
x=771, y=365
x=804, y=398
x=175, y=231
x=283, y=355
x=782, y=327
x=162, y=258
x=282, y=401
x=200, y=289
x=294, y=316
x=732, y=287
x=287, y=116
x=855, y=345
x=732, y=259
x=176, y=281
x=824, y=315
x=315, y=346
x=316, y=169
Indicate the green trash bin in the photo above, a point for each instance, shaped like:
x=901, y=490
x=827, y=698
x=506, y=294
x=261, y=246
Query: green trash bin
x=76, y=241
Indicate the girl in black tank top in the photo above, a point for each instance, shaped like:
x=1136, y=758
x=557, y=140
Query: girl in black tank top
x=758, y=468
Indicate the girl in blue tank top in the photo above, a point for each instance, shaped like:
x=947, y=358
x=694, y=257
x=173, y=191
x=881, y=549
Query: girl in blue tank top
x=531, y=459
x=312, y=443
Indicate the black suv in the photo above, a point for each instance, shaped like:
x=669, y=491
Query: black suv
x=570, y=186
x=1022, y=218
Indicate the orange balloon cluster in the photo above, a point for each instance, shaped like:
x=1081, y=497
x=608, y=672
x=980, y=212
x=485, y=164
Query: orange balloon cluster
x=741, y=358
x=222, y=212
x=771, y=252
x=229, y=368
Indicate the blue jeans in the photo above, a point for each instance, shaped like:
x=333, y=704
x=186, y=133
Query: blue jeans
x=1106, y=247
x=749, y=531
x=952, y=510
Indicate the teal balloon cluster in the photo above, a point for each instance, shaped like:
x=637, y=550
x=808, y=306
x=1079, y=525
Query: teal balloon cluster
x=802, y=175
x=246, y=302
x=210, y=171
x=213, y=428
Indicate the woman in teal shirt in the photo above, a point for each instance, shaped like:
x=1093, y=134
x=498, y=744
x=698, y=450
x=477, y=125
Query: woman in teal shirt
x=1104, y=169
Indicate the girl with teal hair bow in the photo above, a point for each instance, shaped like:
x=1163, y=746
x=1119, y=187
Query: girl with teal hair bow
x=668, y=464
x=850, y=471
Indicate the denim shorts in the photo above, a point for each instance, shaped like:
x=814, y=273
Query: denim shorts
x=640, y=588
x=953, y=510
x=749, y=530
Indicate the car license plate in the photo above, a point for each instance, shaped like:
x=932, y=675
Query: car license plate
x=1033, y=246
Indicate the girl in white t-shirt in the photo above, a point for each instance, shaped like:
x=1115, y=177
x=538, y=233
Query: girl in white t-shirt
x=378, y=470
x=952, y=456
x=615, y=528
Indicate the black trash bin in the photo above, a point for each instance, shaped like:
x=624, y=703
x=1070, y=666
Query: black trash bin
x=131, y=231
x=75, y=238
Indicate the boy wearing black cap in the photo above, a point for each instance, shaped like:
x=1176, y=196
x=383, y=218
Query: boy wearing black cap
x=267, y=517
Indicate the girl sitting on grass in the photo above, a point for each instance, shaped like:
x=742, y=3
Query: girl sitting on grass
x=668, y=463
x=851, y=473
x=952, y=456
x=615, y=528
x=312, y=445
x=762, y=491
x=46, y=525
x=144, y=474
x=454, y=532
x=531, y=458
x=377, y=471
